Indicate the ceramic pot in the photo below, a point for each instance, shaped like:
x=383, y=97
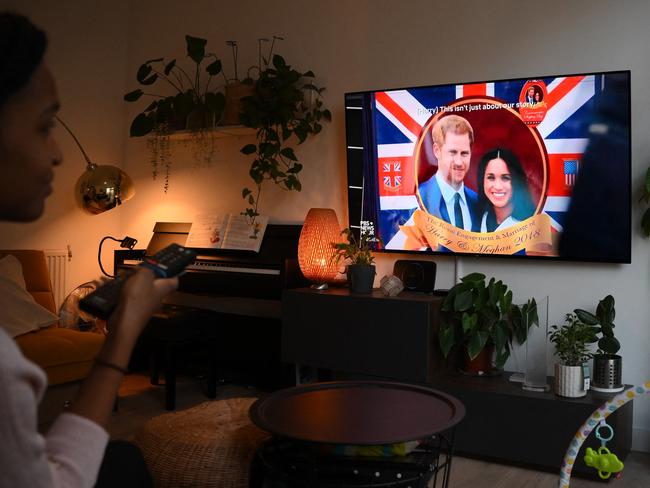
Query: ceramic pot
x=482, y=364
x=361, y=277
x=569, y=381
x=234, y=93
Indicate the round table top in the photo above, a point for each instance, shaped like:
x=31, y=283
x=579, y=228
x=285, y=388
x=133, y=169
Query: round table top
x=357, y=412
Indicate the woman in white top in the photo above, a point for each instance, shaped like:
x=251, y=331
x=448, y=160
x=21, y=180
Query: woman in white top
x=71, y=453
x=504, y=198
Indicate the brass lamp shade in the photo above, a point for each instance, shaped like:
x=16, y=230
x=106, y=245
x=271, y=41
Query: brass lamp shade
x=102, y=188
x=315, y=249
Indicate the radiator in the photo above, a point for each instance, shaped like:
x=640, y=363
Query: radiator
x=57, y=263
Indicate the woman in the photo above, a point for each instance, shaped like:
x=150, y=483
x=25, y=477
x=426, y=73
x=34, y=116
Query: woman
x=72, y=451
x=504, y=199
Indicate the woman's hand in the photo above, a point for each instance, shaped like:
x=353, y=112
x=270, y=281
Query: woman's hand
x=141, y=296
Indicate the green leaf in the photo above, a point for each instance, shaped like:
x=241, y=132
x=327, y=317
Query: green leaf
x=214, y=68
x=327, y=115
x=215, y=102
x=296, y=168
x=278, y=62
x=609, y=345
x=463, y=301
x=586, y=317
x=143, y=71
x=606, y=311
x=476, y=344
x=446, y=339
x=308, y=74
x=473, y=277
x=170, y=66
x=156, y=60
x=152, y=106
x=251, y=200
x=133, y=96
x=141, y=125
x=195, y=48
x=469, y=322
x=150, y=81
x=288, y=153
x=245, y=192
x=249, y=149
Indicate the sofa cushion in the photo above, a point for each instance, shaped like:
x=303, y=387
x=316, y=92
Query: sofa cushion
x=65, y=354
x=19, y=312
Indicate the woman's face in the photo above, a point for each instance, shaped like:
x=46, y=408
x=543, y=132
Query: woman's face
x=28, y=151
x=497, y=183
x=537, y=97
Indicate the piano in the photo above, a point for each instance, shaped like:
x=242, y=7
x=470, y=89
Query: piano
x=238, y=295
x=230, y=273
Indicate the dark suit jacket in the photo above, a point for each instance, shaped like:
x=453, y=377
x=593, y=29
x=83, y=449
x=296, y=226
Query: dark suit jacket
x=435, y=204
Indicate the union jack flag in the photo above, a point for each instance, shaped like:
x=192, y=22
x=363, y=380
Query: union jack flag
x=392, y=174
x=400, y=115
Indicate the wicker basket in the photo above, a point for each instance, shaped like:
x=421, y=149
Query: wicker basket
x=211, y=444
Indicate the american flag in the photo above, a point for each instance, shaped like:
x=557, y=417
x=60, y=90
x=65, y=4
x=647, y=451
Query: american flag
x=400, y=115
x=570, y=171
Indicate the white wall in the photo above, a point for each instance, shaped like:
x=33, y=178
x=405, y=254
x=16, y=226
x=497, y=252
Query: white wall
x=350, y=46
x=87, y=54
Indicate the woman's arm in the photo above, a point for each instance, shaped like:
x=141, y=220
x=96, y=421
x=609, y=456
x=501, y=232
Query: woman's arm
x=142, y=296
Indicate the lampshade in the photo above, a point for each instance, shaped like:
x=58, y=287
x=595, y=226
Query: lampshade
x=315, y=250
x=101, y=187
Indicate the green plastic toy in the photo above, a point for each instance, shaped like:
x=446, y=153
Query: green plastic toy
x=604, y=461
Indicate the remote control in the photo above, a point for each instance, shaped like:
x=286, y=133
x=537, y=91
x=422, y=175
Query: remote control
x=166, y=263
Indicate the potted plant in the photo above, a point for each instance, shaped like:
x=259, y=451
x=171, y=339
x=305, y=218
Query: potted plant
x=361, y=269
x=193, y=106
x=479, y=319
x=285, y=107
x=607, y=370
x=572, y=348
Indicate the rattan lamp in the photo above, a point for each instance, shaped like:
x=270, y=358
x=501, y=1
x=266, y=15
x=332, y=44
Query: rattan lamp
x=315, y=250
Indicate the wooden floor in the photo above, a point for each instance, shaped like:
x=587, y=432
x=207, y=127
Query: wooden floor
x=140, y=401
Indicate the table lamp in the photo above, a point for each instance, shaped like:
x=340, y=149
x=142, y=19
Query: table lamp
x=315, y=249
x=101, y=187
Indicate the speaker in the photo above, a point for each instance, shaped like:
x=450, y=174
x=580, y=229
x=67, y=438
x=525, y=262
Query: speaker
x=416, y=275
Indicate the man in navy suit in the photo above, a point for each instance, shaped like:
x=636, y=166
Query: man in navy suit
x=444, y=195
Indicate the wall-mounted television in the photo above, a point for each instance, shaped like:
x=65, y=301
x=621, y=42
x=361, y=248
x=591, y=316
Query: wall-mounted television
x=529, y=167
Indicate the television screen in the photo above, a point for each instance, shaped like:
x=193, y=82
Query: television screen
x=521, y=167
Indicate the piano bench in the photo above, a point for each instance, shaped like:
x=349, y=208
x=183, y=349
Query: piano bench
x=169, y=330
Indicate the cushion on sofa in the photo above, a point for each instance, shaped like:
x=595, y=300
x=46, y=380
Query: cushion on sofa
x=65, y=354
x=19, y=312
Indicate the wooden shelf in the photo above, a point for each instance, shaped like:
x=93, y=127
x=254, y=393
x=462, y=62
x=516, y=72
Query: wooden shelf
x=218, y=132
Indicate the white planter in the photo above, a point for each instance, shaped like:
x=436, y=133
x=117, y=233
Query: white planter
x=569, y=381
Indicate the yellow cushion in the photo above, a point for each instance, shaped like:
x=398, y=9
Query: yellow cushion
x=65, y=354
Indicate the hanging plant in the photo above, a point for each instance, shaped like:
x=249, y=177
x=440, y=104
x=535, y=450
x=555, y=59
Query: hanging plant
x=192, y=107
x=285, y=108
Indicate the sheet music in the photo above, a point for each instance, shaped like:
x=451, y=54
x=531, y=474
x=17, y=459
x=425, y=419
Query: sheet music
x=241, y=235
x=231, y=231
x=207, y=231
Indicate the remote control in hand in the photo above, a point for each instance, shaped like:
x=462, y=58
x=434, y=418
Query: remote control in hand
x=167, y=263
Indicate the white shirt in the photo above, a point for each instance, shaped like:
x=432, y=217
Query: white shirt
x=509, y=222
x=71, y=452
x=448, y=195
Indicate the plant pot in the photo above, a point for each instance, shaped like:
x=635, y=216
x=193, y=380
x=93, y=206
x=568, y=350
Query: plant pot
x=361, y=277
x=569, y=381
x=607, y=373
x=234, y=93
x=481, y=365
x=200, y=118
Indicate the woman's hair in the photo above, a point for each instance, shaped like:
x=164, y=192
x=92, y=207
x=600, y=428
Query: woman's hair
x=522, y=203
x=22, y=46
